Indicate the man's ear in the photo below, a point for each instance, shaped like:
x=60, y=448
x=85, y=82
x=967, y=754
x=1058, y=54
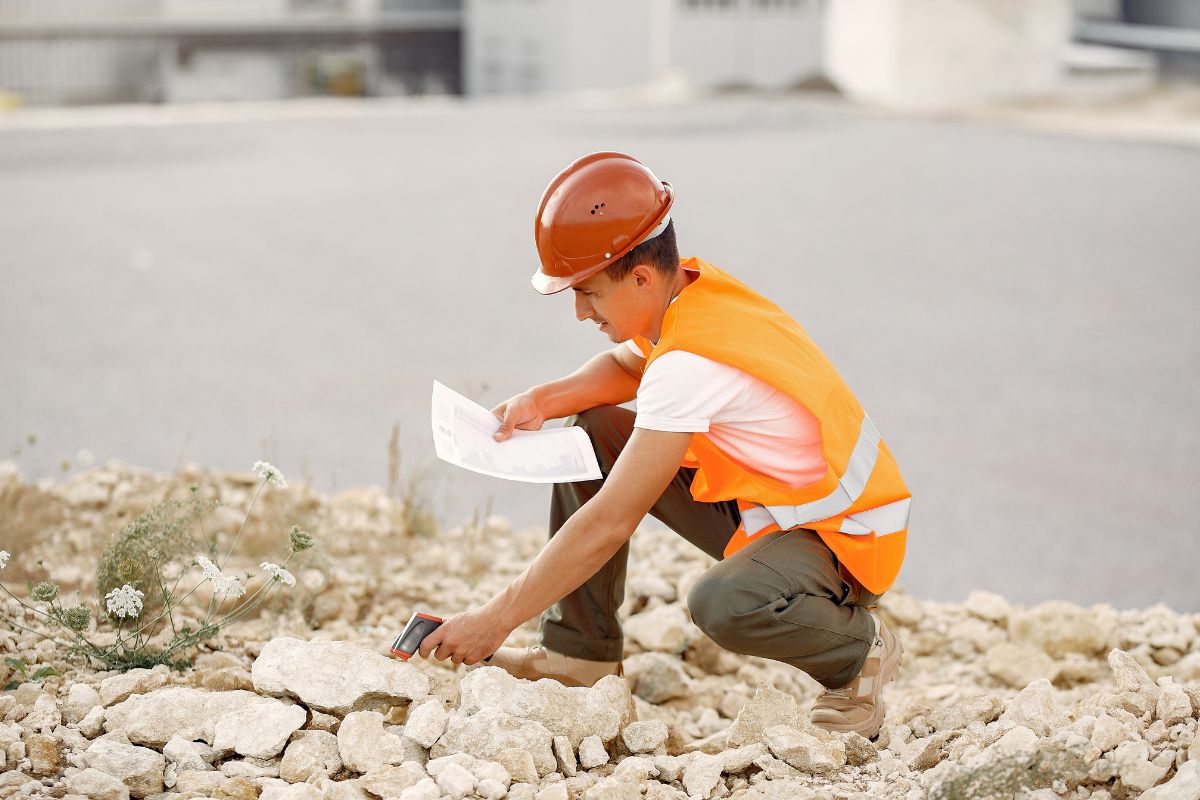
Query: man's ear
x=643, y=275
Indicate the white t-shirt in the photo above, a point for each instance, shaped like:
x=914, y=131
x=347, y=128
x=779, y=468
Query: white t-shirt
x=756, y=425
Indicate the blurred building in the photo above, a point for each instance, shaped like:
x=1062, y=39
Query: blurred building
x=907, y=51
x=94, y=51
x=523, y=46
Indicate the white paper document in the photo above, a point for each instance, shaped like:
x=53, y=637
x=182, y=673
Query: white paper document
x=462, y=435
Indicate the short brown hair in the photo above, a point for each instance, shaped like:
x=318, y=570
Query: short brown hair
x=661, y=253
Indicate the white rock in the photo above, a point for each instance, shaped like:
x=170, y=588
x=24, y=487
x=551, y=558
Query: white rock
x=611, y=789
x=250, y=768
x=346, y=790
x=485, y=770
x=1107, y=733
x=487, y=732
x=575, y=712
x=81, y=699
x=97, y=785
x=804, y=750
x=364, y=745
x=768, y=708
x=667, y=629
x=45, y=715
x=196, y=782
x=657, y=677
x=702, y=774
x=139, y=768
x=634, y=769
x=1036, y=708
x=1134, y=766
x=1174, y=706
x=645, y=737
x=964, y=711
x=1185, y=785
x=391, y=781
x=1131, y=677
x=296, y=791
x=904, y=608
x=1017, y=740
x=987, y=605
x=155, y=718
x=592, y=753
x=425, y=789
x=1059, y=628
x=184, y=756
x=92, y=724
x=260, y=731
x=1018, y=664
x=310, y=753
x=739, y=759
x=336, y=677
x=136, y=681
x=564, y=754
x=456, y=781
x=426, y=722
x=555, y=791
x=519, y=764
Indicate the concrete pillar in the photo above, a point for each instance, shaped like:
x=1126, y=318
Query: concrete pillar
x=929, y=54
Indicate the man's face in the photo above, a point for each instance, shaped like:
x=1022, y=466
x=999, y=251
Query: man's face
x=618, y=307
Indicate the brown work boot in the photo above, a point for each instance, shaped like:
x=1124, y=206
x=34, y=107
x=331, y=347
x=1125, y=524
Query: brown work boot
x=535, y=663
x=858, y=706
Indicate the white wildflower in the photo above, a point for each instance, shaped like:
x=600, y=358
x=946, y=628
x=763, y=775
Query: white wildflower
x=228, y=585
x=271, y=474
x=4, y=556
x=222, y=584
x=124, y=602
x=211, y=570
x=279, y=573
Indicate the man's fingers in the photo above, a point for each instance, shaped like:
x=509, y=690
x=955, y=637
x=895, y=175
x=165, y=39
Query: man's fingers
x=429, y=642
x=510, y=420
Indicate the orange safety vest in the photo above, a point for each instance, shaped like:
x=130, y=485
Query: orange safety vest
x=861, y=507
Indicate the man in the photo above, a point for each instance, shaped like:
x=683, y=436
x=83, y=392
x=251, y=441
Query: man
x=746, y=442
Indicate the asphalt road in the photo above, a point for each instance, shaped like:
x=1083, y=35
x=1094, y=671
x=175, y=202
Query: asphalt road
x=1018, y=312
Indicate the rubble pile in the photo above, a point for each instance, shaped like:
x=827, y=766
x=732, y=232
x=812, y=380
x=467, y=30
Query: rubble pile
x=994, y=700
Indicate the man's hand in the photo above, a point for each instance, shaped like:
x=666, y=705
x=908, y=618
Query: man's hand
x=522, y=412
x=466, y=638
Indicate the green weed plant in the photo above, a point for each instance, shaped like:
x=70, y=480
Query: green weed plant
x=139, y=580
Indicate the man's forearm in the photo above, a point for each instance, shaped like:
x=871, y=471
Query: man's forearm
x=601, y=381
x=576, y=552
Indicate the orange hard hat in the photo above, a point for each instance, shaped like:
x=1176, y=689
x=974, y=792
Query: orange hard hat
x=592, y=213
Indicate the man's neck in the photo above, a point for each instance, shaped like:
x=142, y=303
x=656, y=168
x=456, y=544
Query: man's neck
x=680, y=282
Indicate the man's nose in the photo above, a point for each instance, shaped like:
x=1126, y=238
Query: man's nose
x=583, y=309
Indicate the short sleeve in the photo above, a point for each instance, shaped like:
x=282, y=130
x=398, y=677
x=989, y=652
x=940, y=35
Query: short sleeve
x=682, y=391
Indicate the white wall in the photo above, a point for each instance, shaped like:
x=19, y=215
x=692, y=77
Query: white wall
x=941, y=53
x=532, y=46
x=772, y=46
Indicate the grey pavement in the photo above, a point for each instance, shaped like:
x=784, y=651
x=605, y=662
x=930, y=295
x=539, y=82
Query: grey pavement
x=1017, y=311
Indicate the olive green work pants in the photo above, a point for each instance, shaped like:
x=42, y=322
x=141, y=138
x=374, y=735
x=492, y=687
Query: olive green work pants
x=784, y=596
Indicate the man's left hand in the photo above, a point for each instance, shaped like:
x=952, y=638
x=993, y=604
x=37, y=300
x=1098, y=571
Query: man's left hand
x=466, y=638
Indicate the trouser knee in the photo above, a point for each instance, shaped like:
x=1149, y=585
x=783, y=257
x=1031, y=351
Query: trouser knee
x=708, y=602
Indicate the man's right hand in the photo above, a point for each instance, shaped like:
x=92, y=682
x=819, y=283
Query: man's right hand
x=521, y=412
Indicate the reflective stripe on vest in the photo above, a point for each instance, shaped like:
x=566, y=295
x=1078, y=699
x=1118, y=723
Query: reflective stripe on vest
x=850, y=486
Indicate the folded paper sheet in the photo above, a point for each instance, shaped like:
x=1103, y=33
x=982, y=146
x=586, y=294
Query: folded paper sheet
x=462, y=434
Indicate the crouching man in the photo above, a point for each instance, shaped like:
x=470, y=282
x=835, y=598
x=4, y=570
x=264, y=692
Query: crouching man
x=745, y=442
